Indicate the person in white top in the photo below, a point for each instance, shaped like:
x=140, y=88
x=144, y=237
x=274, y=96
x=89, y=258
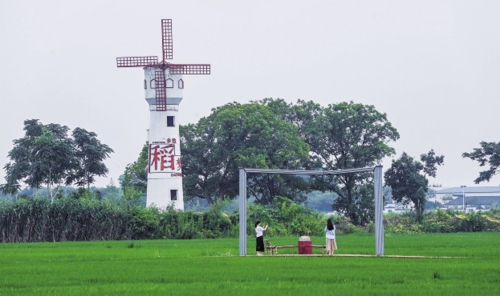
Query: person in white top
x=331, y=243
x=259, y=234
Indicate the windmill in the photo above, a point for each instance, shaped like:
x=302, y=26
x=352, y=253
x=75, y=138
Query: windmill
x=163, y=85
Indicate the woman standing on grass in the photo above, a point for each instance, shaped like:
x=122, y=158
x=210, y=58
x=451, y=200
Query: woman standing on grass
x=331, y=244
x=259, y=234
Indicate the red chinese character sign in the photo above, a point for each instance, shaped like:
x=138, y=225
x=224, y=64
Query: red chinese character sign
x=162, y=158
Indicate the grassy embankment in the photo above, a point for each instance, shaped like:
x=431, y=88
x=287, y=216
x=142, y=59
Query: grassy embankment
x=213, y=267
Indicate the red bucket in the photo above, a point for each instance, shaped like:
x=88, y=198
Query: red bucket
x=305, y=247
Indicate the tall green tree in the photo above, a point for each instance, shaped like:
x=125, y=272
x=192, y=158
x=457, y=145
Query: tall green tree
x=47, y=155
x=342, y=136
x=487, y=155
x=407, y=178
x=89, y=154
x=53, y=157
x=43, y=156
x=236, y=136
x=351, y=135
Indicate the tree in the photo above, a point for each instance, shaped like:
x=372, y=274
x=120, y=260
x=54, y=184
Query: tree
x=488, y=154
x=90, y=154
x=43, y=156
x=236, y=136
x=408, y=179
x=346, y=136
x=21, y=160
x=302, y=115
x=341, y=136
x=53, y=157
x=135, y=178
x=46, y=155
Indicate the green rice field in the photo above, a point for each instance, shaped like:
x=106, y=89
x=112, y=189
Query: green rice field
x=452, y=264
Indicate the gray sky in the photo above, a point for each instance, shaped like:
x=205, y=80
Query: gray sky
x=432, y=66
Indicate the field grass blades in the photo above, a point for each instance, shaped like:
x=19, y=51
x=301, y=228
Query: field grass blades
x=413, y=265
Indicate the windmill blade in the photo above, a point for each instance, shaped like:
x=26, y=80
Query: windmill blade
x=189, y=69
x=136, y=61
x=160, y=91
x=166, y=39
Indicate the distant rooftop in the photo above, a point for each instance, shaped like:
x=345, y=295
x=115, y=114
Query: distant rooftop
x=475, y=201
x=469, y=190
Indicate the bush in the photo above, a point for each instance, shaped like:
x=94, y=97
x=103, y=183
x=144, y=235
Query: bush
x=33, y=220
x=454, y=221
x=83, y=219
x=143, y=222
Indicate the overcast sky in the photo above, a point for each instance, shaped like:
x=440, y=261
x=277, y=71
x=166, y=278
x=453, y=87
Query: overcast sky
x=432, y=66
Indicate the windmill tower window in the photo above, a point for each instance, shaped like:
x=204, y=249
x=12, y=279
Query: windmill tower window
x=180, y=83
x=152, y=84
x=145, y=84
x=170, y=83
x=173, y=194
x=170, y=121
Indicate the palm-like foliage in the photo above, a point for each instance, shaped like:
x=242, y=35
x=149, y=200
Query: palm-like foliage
x=46, y=155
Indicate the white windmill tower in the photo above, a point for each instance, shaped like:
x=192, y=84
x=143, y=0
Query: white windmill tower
x=163, y=85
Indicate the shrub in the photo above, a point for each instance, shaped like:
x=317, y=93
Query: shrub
x=83, y=219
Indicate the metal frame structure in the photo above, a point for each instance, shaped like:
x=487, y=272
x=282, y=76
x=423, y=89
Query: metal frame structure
x=379, y=202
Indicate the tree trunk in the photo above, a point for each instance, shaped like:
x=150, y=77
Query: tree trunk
x=49, y=186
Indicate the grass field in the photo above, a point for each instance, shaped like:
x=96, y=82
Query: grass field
x=213, y=267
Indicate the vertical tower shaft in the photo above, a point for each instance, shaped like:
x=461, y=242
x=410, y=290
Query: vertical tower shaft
x=164, y=152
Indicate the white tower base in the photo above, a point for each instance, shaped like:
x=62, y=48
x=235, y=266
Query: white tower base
x=161, y=191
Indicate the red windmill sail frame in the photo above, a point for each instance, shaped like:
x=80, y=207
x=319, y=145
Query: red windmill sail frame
x=166, y=39
x=160, y=91
x=160, y=76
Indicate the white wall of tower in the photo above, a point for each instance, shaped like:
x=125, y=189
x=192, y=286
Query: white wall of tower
x=164, y=186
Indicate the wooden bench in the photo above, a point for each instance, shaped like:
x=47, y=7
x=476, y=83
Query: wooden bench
x=273, y=250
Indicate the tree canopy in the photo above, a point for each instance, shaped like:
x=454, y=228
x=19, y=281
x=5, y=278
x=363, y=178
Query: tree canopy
x=47, y=155
x=342, y=136
x=236, y=136
x=90, y=154
x=407, y=178
x=487, y=155
x=272, y=133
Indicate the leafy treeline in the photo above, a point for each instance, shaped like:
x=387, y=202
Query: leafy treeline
x=269, y=133
x=68, y=219
x=444, y=221
x=47, y=155
x=274, y=134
